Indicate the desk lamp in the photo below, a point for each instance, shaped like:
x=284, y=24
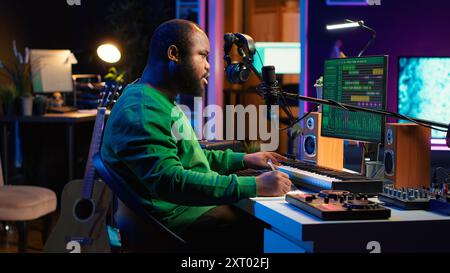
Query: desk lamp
x=109, y=53
x=351, y=24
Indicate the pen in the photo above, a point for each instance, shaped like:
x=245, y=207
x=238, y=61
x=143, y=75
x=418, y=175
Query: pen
x=269, y=162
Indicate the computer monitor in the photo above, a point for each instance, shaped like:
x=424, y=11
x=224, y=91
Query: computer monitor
x=51, y=70
x=360, y=82
x=284, y=56
x=424, y=90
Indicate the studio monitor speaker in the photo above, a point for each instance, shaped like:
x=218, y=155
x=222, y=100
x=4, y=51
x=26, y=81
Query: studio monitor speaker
x=324, y=151
x=407, y=155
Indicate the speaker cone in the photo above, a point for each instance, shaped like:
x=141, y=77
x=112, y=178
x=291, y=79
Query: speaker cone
x=310, y=145
x=389, y=162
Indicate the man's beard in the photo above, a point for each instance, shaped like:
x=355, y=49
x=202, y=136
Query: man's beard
x=187, y=81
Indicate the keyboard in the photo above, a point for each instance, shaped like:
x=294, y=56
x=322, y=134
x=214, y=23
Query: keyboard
x=307, y=175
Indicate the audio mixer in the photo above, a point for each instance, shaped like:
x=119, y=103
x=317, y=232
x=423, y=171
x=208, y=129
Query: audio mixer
x=436, y=198
x=338, y=205
x=406, y=198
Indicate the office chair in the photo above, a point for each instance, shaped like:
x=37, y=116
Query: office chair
x=25, y=203
x=139, y=230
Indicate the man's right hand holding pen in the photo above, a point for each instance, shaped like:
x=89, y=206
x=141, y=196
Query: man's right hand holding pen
x=273, y=183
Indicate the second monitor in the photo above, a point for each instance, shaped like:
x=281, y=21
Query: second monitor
x=360, y=82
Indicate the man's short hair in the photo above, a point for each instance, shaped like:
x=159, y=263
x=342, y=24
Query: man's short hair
x=176, y=32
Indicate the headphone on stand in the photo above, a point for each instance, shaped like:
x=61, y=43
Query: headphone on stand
x=239, y=72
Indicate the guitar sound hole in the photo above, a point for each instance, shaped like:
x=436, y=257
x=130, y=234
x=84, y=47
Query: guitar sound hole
x=84, y=209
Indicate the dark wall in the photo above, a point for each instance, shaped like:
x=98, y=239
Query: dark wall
x=53, y=24
x=414, y=27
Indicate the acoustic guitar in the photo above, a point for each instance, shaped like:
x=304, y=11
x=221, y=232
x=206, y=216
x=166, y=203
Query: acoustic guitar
x=81, y=227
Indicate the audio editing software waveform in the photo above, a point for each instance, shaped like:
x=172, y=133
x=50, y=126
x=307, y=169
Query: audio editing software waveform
x=359, y=82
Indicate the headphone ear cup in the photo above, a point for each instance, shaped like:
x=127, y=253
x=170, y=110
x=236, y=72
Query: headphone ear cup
x=229, y=72
x=244, y=73
x=237, y=73
x=233, y=72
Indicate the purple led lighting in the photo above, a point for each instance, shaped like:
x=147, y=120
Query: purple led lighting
x=440, y=148
x=347, y=3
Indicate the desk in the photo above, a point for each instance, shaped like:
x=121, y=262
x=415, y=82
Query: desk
x=292, y=230
x=67, y=119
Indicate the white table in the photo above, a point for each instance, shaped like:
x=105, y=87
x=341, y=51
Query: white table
x=291, y=230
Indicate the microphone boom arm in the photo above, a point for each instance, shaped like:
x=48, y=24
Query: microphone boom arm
x=349, y=107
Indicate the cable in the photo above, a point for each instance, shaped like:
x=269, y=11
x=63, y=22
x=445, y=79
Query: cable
x=395, y=115
x=301, y=118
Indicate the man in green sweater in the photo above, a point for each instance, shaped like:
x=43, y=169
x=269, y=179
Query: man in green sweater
x=190, y=190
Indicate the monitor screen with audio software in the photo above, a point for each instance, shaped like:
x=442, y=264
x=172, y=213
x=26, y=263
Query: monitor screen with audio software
x=360, y=82
x=424, y=90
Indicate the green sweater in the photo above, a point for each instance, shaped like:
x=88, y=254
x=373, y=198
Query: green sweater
x=177, y=180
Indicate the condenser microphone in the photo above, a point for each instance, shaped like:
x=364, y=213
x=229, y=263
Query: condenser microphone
x=269, y=88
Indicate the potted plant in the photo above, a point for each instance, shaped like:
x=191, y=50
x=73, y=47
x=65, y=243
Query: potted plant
x=8, y=95
x=26, y=102
x=114, y=75
x=20, y=75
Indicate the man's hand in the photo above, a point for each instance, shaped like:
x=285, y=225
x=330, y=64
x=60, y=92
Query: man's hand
x=259, y=160
x=273, y=184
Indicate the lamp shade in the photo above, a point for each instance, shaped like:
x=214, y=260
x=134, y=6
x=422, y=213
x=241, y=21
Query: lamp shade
x=343, y=26
x=109, y=53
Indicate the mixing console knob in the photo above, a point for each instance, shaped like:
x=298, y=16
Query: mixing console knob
x=341, y=199
x=310, y=198
x=326, y=200
x=404, y=195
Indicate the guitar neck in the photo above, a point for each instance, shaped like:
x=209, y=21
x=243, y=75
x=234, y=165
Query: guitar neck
x=89, y=174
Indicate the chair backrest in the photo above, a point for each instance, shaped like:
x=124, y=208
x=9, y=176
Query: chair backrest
x=2, y=182
x=140, y=231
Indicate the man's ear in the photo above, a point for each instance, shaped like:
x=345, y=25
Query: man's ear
x=173, y=53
